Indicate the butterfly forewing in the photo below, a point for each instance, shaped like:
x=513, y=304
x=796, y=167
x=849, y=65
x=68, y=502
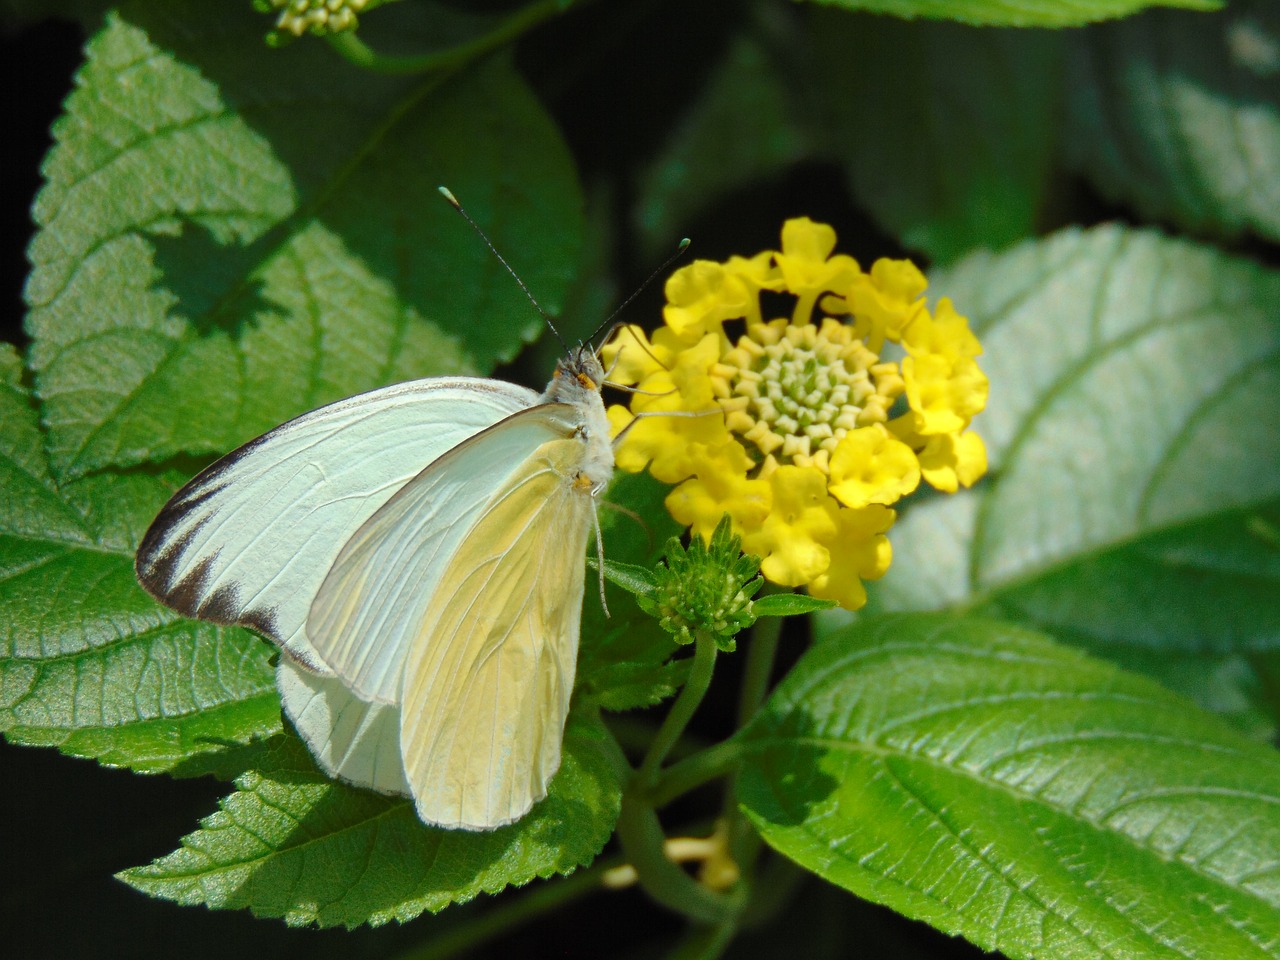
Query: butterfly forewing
x=251, y=538
x=369, y=610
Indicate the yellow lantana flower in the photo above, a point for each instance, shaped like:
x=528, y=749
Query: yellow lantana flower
x=804, y=429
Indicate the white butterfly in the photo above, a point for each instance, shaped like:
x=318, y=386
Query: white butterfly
x=418, y=553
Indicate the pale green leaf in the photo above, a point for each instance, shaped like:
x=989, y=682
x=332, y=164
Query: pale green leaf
x=1135, y=392
x=1005, y=788
x=946, y=132
x=1015, y=13
x=629, y=576
x=1179, y=116
x=293, y=844
x=230, y=235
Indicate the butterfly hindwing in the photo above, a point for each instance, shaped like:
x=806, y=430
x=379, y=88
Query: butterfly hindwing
x=351, y=739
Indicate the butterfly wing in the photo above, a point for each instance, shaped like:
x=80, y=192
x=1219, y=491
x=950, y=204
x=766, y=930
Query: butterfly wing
x=251, y=539
x=485, y=701
x=369, y=610
x=460, y=601
x=350, y=738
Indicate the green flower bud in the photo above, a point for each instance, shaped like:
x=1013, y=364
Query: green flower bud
x=706, y=587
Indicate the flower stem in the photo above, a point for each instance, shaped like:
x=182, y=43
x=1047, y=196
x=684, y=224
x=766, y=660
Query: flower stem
x=524, y=19
x=640, y=834
x=762, y=651
x=692, y=772
x=681, y=712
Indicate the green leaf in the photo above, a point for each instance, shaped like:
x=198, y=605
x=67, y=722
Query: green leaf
x=291, y=843
x=1015, y=13
x=230, y=235
x=630, y=577
x=1179, y=116
x=742, y=127
x=946, y=149
x=1193, y=607
x=88, y=662
x=1008, y=789
x=1135, y=389
x=788, y=605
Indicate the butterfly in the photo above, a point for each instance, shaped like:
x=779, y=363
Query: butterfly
x=418, y=554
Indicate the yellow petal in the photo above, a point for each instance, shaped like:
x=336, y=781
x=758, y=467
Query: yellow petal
x=872, y=466
x=859, y=551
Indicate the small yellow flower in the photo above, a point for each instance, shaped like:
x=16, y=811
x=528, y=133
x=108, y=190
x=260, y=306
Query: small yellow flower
x=804, y=429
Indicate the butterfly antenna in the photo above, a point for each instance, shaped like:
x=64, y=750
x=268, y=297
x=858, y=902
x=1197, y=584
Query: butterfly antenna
x=681, y=247
x=453, y=202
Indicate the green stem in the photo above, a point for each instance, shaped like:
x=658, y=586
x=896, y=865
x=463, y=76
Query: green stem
x=640, y=834
x=681, y=712
x=762, y=651
x=524, y=19
x=510, y=911
x=762, y=654
x=692, y=772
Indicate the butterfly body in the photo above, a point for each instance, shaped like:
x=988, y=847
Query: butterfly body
x=418, y=553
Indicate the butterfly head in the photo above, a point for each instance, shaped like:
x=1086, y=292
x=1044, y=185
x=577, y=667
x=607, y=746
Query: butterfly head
x=577, y=376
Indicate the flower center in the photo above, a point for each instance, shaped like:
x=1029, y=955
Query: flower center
x=795, y=391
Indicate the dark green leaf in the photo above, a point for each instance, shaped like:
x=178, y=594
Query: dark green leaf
x=1194, y=607
x=947, y=132
x=1015, y=13
x=1008, y=789
x=1179, y=116
x=1136, y=385
x=231, y=235
x=622, y=664
x=293, y=844
x=740, y=128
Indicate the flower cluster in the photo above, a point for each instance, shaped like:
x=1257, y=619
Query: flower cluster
x=803, y=429
x=314, y=16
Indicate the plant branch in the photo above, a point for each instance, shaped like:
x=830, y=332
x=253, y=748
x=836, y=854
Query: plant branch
x=361, y=54
x=681, y=712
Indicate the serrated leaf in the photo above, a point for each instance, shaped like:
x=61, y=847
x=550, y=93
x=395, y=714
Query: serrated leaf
x=789, y=605
x=230, y=235
x=1008, y=789
x=1136, y=385
x=291, y=843
x=903, y=96
x=630, y=685
x=88, y=662
x=1179, y=116
x=1015, y=13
